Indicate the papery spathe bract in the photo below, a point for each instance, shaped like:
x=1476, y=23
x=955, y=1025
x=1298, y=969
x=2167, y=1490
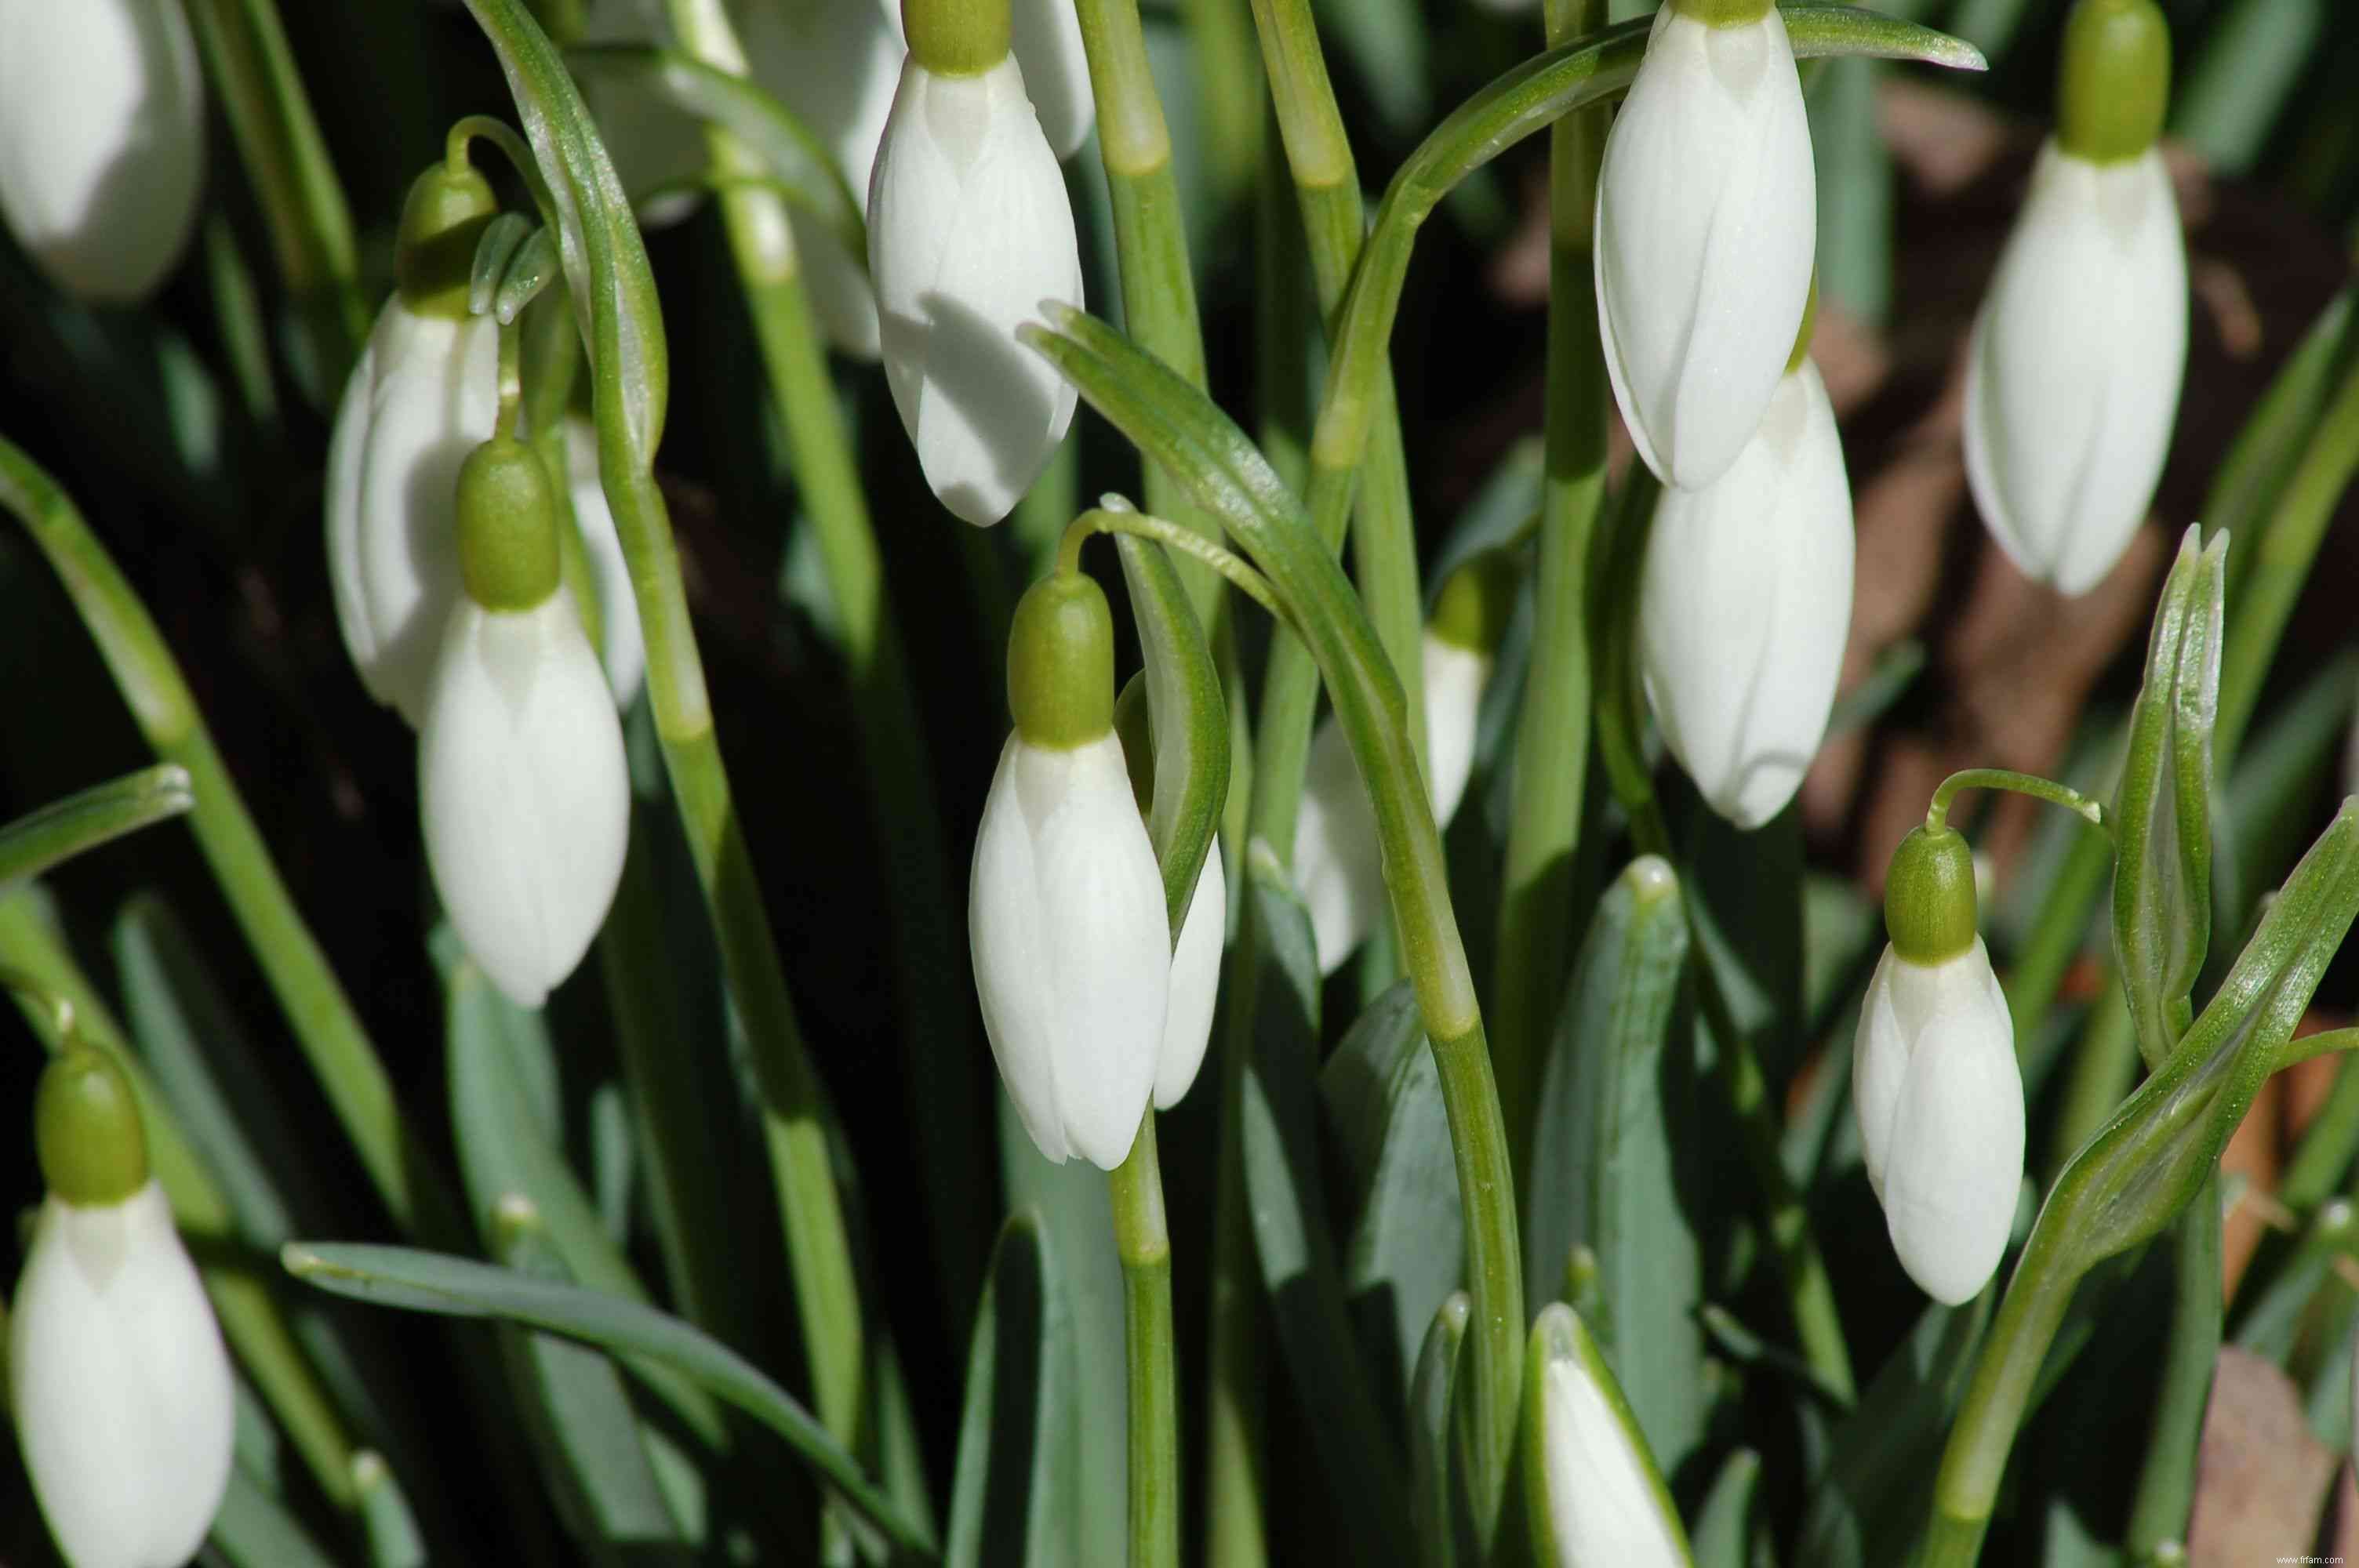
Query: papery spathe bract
x=1744, y=606
x=834, y=64
x=524, y=791
x=424, y=394
x=1046, y=39
x=122, y=1392
x=1195, y=984
x=1939, y=1101
x=2073, y=371
x=1338, y=867
x=102, y=141
x=1072, y=945
x=1706, y=228
x=969, y=230
x=622, y=646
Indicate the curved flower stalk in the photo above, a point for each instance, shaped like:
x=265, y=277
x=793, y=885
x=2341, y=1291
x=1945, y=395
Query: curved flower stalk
x=117, y=1374
x=622, y=646
x=1066, y=913
x=1337, y=867
x=522, y=782
x=1935, y=1085
x=102, y=141
x=1706, y=228
x=424, y=396
x=654, y=145
x=835, y=63
x=1047, y=37
x=969, y=229
x=1593, y=1497
x=1744, y=605
x=2073, y=373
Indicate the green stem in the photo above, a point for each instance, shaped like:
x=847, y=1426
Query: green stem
x=1937, y=814
x=1551, y=758
x=2167, y=1484
x=261, y=88
x=250, y=1316
x=826, y=1285
x=1137, y=1186
x=321, y=1017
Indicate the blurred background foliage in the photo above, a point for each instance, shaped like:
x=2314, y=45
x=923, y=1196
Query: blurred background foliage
x=193, y=435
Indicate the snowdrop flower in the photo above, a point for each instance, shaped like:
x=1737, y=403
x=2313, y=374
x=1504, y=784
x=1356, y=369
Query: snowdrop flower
x=1706, y=224
x=1065, y=912
x=654, y=145
x=522, y=782
x=102, y=141
x=424, y=394
x=1195, y=984
x=621, y=648
x=1337, y=867
x=1934, y=1078
x=1047, y=37
x=969, y=230
x=1744, y=605
x=1593, y=1495
x=835, y=63
x=121, y=1385
x=2073, y=370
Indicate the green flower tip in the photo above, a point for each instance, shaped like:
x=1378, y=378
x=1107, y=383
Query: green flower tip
x=1722, y=13
x=1810, y=325
x=508, y=553
x=1060, y=663
x=1477, y=601
x=1137, y=737
x=86, y=1130
x=2113, y=84
x=956, y=38
x=1929, y=897
x=434, y=258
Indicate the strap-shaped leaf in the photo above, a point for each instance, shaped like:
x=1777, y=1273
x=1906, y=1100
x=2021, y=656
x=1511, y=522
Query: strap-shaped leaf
x=1724, y=1525
x=82, y=821
x=416, y=1281
x=1187, y=718
x=1444, y=1535
x=801, y=162
x=1014, y=1498
x=605, y=262
x=2162, y=813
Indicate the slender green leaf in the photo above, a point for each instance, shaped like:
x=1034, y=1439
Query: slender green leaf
x=1188, y=720
x=2246, y=486
x=82, y=821
x=1385, y=42
x=387, y=1522
x=2278, y=781
x=2241, y=79
x=1724, y=1525
x=1444, y=1534
x=252, y=1530
x=1745, y=901
x=1854, y=188
x=1014, y=1495
x=415, y=1280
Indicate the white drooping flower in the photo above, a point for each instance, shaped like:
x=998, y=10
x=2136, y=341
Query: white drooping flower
x=1605, y=1508
x=522, y=782
x=1195, y=984
x=1744, y=606
x=2073, y=371
x=1338, y=868
x=102, y=141
x=969, y=230
x=117, y=1377
x=834, y=63
x=654, y=147
x=1048, y=43
x=621, y=648
x=1706, y=228
x=1940, y=1116
x=1072, y=945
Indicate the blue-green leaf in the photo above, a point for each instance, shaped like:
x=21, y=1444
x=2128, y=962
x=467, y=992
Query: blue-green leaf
x=252, y=1530
x=1015, y=1494
x=1724, y=1526
x=1444, y=1534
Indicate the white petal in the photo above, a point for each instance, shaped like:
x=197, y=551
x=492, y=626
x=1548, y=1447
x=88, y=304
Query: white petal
x=2073, y=373
x=102, y=141
x=1004, y=935
x=1744, y=606
x=1454, y=680
x=1195, y=984
x=430, y=396
x=653, y=144
x=1047, y=42
x=1601, y=1508
x=1707, y=207
x=525, y=793
x=1879, y=1065
x=1338, y=868
x=1956, y=1162
x=622, y=648
x=121, y=1391
x=969, y=230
